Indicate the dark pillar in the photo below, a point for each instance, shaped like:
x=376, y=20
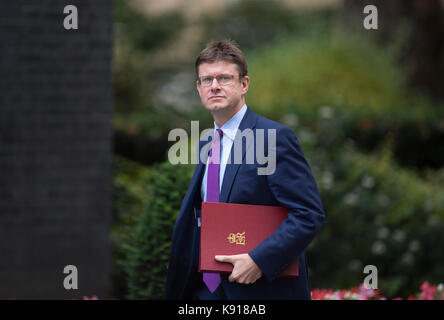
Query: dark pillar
x=55, y=148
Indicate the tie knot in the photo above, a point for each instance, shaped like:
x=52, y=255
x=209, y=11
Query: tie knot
x=220, y=132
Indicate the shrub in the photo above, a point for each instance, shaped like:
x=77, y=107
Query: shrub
x=148, y=246
x=335, y=68
x=376, y=214
x=128, y=199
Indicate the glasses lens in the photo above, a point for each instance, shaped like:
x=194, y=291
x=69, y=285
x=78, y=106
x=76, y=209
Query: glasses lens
x=222, y=79
x=206, y=81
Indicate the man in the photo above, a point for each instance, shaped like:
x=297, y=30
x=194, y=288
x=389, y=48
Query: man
x=222, y=85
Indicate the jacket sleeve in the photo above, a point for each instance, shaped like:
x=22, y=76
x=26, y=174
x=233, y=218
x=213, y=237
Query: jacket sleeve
x=293, y=186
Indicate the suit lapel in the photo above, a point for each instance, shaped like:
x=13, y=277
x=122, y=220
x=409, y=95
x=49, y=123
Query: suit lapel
x=248, y=121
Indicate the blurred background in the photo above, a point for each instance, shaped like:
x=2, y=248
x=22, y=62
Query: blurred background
x=85, y=116
x=366, y=105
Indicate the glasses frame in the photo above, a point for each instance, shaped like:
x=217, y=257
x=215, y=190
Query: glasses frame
x=218, y=79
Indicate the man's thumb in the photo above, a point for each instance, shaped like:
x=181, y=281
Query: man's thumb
x=223, y=259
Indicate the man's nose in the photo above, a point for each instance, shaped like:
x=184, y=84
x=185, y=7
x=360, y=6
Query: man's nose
x=215, y=84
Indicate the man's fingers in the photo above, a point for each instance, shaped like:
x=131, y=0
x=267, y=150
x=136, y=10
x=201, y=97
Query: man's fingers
x=242, y=272
x=241, y=280
x=230, y=259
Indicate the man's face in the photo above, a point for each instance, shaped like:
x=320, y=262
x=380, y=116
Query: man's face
x=222, y=98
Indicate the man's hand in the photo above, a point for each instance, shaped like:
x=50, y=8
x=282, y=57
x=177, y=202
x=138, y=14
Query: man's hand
x=245, y=269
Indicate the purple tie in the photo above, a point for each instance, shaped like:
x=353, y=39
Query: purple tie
x=213, y=280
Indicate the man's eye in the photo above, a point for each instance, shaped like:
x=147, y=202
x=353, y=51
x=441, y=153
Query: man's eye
x=225, y=78
x=207, y=79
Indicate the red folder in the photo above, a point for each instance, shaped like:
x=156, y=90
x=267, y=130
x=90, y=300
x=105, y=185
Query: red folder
x=228, y=228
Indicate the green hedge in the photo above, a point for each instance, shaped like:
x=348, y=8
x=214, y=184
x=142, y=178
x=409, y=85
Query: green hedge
x=377, y=214
x=416, y=135
x=148, y=240
x=128, y=199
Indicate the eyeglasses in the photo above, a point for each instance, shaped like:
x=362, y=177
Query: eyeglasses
x=222, y=79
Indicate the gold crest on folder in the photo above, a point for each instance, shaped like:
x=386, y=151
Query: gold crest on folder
x=237, y=238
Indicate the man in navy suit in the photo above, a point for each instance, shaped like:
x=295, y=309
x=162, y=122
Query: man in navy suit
x=222, y=85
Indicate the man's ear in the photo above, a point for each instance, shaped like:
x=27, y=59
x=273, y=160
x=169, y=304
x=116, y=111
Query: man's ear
x=245, y=84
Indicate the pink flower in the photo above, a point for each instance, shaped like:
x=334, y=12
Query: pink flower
x=428, y=291
x=369, y=293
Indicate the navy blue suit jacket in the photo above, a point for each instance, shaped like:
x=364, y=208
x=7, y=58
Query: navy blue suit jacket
x=291, y=185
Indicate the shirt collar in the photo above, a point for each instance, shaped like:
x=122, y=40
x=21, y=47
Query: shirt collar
x=230, y=127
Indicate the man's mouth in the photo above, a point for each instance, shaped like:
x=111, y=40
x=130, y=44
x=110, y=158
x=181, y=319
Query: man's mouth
x=215, y=97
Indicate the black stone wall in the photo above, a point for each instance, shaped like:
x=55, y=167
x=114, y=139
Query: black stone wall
x=55, y=148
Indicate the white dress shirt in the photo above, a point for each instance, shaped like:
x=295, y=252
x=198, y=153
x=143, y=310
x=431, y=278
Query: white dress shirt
x=229, y=129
